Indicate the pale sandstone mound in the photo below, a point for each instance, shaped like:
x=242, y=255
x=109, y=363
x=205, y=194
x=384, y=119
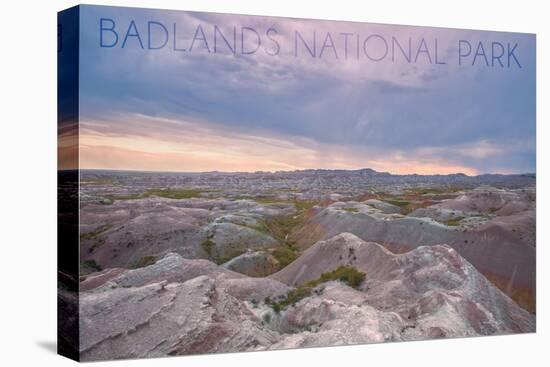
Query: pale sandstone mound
x=175, y=269
x=172, y=268
x=163, y=319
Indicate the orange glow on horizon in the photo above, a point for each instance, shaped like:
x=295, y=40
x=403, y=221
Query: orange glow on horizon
x=122, y=158
x=214, y=148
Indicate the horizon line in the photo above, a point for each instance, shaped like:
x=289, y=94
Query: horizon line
x=298, y=170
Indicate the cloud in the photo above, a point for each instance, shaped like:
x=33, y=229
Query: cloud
x=478, y=150
x=385, y=109
x=210, y=148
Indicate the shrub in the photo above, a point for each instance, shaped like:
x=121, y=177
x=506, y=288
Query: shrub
x=453, y=222
x=145, y=261
x=351, y=210
x=266, y=317
x=346, y=274
x=208, y=245
x=92, y=264
x=96, y=232
x=285, y=255
x=398, y=202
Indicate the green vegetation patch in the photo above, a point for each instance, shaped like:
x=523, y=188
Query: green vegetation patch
x=282, y=226
x=453, y=222
x=111, y=198
x=285, y=255
x=174, y=193
x=434, y=190
x=291, y=298
x=208, y=246
x=351, y=210
x=407, y=206
x=279, y=227
x=399, y=203
x=102, y=181
x=145, y=261
x=223, y=259
x=168, y=193
x=92, y=264
x=301, y=205
x=347, y=274
x=93, y=234
x=97, y=244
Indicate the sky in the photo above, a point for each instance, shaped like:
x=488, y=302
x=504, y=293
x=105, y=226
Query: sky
x=166, y=110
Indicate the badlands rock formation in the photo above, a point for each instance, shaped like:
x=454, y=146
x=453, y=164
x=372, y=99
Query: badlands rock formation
x=185, y=306
x=496, y=233
x=184, y=263
x=124, y=232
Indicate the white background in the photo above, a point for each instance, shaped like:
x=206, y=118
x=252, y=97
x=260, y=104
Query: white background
x=28, y=182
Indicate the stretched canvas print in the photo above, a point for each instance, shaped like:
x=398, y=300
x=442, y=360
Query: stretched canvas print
x=232, y=183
